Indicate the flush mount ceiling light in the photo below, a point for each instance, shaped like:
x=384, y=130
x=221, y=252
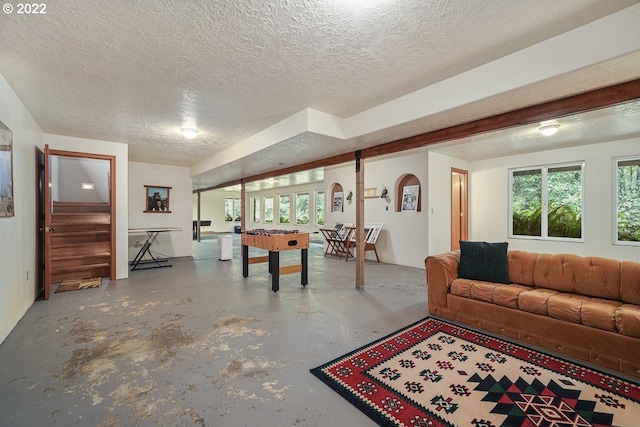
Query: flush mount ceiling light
x=548, y=130
x=189, y=132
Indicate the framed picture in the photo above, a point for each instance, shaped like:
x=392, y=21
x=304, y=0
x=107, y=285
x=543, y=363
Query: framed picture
x=157, y=199
x=6, y=171
x=410, y=198
x=338, y=199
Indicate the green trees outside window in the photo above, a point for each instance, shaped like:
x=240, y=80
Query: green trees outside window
x=284, y=208
x=546, y=202
x=232, y=209
x=628, y=199
x=302, y=208
x=319, y=207
x=255, y=209
x=268, y=209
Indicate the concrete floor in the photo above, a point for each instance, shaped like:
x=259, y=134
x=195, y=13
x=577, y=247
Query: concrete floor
x=199, y=345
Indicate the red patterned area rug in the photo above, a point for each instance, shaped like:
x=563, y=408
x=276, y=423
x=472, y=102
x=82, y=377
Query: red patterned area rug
x=435, y=373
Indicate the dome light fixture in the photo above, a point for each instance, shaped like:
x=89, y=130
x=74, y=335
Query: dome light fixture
x=548, y=130
x=189, y=132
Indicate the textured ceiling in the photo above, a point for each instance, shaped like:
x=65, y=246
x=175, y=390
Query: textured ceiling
x=134, y=71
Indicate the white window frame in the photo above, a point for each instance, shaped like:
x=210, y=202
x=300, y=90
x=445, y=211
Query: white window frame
x=281, y=195
x=616, y=161
x=254, y=214
x=545, y=202
x=273, y=209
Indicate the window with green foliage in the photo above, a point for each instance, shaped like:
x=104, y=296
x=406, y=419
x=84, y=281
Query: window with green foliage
x=255, y=209
x=302, y=208
x=627, y=200
x=268, y=209
x=319, y=207
x=284, y=208
x=232, y=209
x=546, y=202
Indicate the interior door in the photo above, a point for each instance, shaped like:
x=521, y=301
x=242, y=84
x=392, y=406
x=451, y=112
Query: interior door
x=459, y=208
x=40, y=183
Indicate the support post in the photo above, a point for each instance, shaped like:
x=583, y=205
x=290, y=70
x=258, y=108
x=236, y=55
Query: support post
x=360, y=252
x=198, y=220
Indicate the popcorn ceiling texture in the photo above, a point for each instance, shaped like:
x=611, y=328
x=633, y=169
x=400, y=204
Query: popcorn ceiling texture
x=133, y=71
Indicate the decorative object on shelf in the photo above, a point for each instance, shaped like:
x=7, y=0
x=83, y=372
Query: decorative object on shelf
x=350, y=195
x=384, y=193
x=6, y=172
x=337, y=201
x=157, y=199
x=410, y=198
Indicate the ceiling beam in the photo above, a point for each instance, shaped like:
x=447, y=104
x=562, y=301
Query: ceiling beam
x=580, y=103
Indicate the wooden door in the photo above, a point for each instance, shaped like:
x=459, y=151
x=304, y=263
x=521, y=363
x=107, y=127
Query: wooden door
x=459, y=208
x=79, y=236
x=40, y=184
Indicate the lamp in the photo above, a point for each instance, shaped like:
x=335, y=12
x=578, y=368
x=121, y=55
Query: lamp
x=189, y=132
x=384, y=193
x=350, y=195
x=548, y=130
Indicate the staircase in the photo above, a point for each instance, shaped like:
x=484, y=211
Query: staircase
x=80, y=240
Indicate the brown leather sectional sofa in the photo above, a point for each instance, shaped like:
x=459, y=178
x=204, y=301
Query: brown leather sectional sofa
x=586, y=308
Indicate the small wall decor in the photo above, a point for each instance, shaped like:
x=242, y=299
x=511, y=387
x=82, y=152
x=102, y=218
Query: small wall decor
x=410, y=198
x=6, y=171
x=338, y=201
x=157, y=199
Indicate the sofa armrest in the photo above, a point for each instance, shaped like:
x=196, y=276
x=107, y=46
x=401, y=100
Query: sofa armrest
x=441, y=269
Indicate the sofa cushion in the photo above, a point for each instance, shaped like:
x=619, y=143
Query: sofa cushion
x=628, y=320
x=600, y=313
x=555, y=271
x=597, y=277
x=536, y=301
x=507, y=296
x=630, y=282
x=483, y=291
x=567, y=306
x=484, y=261
x=461, y=287
x=521, y=265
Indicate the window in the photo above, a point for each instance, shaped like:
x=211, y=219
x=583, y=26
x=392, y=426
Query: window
x=319, y=207
x=284, y=208
x=255, y=209
x=232, y=209
x=627, y=182
x=546, y=202
x=268, y=209
x=302, y=208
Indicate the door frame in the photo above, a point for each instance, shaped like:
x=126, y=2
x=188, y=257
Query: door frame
x=44, y=212
x=459, y=207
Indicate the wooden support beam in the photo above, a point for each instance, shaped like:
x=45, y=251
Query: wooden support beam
x=243, y=194
x=359, y=220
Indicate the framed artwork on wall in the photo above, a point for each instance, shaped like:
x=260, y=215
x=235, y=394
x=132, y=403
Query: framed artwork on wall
x=338, y=200
x=6, y=172
x=157, y=199
x=410, y=198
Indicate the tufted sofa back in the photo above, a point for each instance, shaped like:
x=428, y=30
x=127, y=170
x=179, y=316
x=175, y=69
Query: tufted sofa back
x=590, y=276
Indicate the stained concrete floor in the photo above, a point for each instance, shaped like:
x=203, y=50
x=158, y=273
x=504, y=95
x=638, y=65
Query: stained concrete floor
x=199, y=345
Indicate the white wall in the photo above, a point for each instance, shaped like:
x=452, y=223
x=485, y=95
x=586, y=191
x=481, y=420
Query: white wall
x=172, y=244
x=18, y=234
x=440, y=201
x=212, y=209
x=404, y=239
x=489, y=198
x=121, y=153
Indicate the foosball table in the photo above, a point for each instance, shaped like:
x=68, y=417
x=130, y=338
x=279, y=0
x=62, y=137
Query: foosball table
x=276, y=241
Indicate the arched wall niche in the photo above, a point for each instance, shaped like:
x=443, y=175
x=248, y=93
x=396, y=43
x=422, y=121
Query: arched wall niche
x=404, y=181
x=336, y=188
